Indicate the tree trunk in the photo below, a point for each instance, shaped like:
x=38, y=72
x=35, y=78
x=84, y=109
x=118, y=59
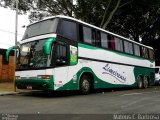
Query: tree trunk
x=111, y=14
x=105, y=13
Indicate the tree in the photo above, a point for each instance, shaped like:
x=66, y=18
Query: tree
x=131, y=18
x=134, y=19
x=137, y=20
x=97, y=12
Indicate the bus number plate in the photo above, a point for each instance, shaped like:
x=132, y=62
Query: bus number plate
x=29, y=87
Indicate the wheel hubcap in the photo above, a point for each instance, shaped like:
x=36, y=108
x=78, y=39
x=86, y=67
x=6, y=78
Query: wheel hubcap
x=140, y=84
x=85, y=85
x=145, y=82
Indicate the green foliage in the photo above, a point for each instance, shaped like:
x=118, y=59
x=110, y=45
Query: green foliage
x=134, y=19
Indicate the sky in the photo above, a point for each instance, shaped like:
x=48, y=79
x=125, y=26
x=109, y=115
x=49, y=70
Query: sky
x=7, y=27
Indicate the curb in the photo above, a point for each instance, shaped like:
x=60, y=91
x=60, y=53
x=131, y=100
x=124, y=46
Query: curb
x=8, y=93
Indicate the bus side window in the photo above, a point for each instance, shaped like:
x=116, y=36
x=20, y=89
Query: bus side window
x=136, y=50
x=144, y=52
x=118, y=44
x=96, y=38
x=128, y=47
x=61, y=56
x=87, y=35
x=151, y=54
x=68, y=29
x=104, y=40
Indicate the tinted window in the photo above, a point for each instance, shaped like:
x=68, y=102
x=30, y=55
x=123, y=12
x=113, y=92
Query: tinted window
x=144, y=52
x=104, y=40
x=39, y=28
x=61, y=57
x=118, y=44
x=87, y=36
x=151, y=54
x=68, y=29
x=128, y=47
x=136, y=49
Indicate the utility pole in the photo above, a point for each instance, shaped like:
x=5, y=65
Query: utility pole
x=16, y=33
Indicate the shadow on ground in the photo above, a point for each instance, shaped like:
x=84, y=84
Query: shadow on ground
x=54, y=94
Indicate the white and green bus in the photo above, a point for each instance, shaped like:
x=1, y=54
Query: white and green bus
x=63, y=53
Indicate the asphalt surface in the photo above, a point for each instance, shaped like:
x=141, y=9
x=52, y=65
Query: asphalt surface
x=119, y=101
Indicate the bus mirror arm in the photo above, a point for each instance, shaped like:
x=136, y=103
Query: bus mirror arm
x=47, y=46
x=8, y=52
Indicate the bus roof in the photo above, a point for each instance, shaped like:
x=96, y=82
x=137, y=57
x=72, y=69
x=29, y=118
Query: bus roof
x=66, y=17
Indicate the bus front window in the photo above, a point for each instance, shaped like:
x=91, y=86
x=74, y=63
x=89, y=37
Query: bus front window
x=32, y=55
x=41, y=28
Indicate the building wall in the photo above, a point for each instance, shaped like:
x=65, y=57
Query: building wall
x=7, y=69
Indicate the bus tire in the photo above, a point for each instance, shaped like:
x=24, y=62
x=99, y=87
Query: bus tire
x=85, y=85
x=145, y=82
x=139, y=82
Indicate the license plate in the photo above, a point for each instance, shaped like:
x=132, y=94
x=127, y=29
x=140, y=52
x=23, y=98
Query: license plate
x=29, y=87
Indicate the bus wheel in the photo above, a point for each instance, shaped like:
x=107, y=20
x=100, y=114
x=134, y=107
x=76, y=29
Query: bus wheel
x=85, y=85
x=145, y=82
x=139, y=82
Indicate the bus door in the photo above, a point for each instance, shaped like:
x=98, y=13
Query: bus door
x=61, y=58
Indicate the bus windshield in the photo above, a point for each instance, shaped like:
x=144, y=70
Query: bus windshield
x=31, y=55
x=40, y=28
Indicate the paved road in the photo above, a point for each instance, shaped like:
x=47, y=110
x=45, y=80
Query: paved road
x=101, y=102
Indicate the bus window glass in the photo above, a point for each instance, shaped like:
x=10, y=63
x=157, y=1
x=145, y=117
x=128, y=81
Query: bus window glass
x=41, y=28
x=61, y=50
x=136, y=50
x=32, y=55
x=68, y=29
x=151, y=54
x=118, y=44
x=144, y=52
x=128, y=47
x=87, y=36
x=104, y=40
